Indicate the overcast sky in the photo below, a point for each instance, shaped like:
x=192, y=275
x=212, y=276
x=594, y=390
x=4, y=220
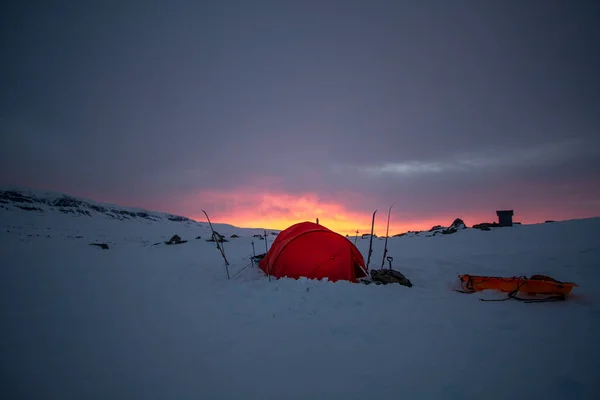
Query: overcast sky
x=258, y=110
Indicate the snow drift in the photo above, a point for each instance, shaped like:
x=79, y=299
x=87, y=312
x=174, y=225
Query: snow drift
x=163, y=322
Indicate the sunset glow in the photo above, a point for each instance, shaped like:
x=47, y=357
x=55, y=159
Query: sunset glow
x=238, y=111
x=279, y=211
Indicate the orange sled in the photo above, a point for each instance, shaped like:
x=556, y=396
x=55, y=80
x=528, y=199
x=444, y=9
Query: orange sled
x=535, y=284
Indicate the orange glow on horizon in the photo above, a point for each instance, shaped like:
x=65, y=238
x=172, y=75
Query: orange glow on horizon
x=279, y=211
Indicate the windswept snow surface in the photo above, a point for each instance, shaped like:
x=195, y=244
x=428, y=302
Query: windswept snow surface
x=162, y=322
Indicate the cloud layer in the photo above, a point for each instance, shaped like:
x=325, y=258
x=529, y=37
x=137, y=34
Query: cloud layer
x=266, y=111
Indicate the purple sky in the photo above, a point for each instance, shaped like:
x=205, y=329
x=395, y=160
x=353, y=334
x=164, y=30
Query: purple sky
x=442, y=107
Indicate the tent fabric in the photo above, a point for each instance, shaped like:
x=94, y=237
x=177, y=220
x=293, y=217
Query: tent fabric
x=315, y=252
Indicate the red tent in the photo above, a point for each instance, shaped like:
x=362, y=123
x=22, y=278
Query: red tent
x=313, y=251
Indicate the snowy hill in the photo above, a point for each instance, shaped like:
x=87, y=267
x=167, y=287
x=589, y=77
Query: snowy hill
x=163, y=322
x=36, y=212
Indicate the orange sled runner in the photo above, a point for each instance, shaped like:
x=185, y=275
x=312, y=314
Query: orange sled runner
x=534, y=285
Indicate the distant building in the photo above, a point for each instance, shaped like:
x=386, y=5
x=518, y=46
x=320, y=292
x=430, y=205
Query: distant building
x=505, y=217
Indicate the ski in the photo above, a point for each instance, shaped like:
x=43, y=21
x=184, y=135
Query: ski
x=371, y=241
x=267, y=255
x=387, y=231
x=219, y=244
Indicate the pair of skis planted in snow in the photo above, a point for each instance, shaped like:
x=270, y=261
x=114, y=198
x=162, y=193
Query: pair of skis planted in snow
x=386, y=239
x=216, y=238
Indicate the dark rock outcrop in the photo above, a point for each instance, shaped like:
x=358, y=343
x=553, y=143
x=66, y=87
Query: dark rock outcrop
x=175, y=239
x=486, y=226
x=74, y=206
x=177, y=218
x=29, y=208
x=103, y=246
x=219, y=237
x=10, y=196
x=457, y=225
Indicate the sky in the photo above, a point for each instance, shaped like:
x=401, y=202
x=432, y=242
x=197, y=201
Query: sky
x=267, y=113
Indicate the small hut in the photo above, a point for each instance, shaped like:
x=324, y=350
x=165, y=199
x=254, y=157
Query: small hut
x=505, y=217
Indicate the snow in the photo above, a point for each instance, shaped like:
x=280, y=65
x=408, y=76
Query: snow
x=163, y=322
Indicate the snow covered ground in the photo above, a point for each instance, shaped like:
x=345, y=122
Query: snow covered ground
x=163, y=322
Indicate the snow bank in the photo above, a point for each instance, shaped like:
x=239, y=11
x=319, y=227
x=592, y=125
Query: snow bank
x=162, y=322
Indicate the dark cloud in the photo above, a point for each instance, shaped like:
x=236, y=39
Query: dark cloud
x=155, y=103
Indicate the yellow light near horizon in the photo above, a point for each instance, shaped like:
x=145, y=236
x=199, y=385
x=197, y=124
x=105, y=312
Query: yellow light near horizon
x=345, y=227
x=279, y=211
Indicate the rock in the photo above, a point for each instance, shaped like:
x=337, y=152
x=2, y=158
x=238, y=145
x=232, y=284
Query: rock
x=455, y=227
x=220, y=238
x=234, y=236
x=175, y=239
x=198, y=237
x=549, y=221
x=28, y=208
x=485, y=226
x=15, y=197
x=103, y=246
x=458, y=224
x=385, y=276
x=177, y=218
x=66, y=202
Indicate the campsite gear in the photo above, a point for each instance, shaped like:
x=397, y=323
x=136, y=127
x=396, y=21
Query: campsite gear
x=356, y=237
x=387, y=231
x=389, y=260
x=219, y=244
x=313, y=251
x=371, y=241
x=385, y=276
x=534, y=285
